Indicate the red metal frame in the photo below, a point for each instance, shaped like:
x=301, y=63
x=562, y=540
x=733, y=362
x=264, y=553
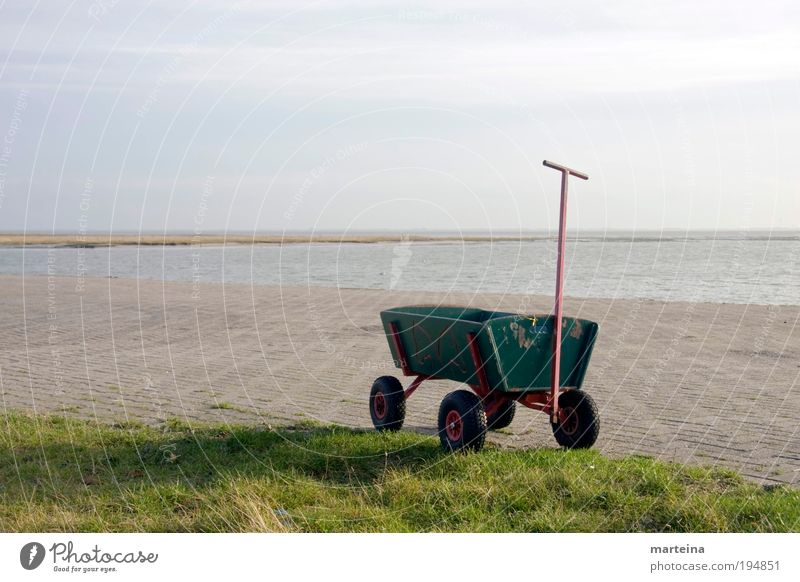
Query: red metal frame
x=401, y=354
x=491, y=401
x=483, y=388
x=414, y=385
x=547, y=402
x=403, y=361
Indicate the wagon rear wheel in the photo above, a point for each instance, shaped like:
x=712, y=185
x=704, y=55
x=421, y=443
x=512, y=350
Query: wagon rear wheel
x=462, y=422
x=578, y=421
x=502, y=416
x=387, y=403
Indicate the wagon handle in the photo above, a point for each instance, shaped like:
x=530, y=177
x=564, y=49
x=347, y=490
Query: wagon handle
x=565, y=169
x=555, y=368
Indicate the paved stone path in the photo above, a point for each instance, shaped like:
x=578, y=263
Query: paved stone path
x=698, y=383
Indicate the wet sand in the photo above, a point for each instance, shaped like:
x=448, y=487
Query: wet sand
x=700, y=383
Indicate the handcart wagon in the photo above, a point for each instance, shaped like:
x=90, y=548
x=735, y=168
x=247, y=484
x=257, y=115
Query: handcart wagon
x=539, y=361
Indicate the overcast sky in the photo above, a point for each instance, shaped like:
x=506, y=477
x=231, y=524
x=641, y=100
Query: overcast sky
x=270, y=116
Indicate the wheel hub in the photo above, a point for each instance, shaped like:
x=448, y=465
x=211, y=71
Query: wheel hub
x=379, y=406
x=568, y=420
x=453, y=425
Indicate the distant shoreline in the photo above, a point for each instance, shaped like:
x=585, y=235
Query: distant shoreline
x=105, y=240
x=95, y=240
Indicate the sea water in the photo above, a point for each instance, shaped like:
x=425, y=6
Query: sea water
x=733, y=269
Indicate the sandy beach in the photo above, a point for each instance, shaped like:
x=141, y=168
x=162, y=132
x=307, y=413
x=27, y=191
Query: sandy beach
x=700, y=383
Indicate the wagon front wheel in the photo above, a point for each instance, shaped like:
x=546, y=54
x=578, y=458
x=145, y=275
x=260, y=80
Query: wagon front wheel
x=462, y=422
x=578, y=421
x=387, y=403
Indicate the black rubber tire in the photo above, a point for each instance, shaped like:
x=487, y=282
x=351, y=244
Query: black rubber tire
x=503, y=416
x=472, y=422
x=584, y=434
x=393, y=405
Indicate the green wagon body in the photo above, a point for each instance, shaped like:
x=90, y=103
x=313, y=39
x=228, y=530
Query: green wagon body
x=517, y=350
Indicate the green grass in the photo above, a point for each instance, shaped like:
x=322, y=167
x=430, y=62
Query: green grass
x=58, y=474
x=227, y=406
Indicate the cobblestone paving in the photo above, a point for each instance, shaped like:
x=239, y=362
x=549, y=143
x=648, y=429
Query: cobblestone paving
x=692, y=382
